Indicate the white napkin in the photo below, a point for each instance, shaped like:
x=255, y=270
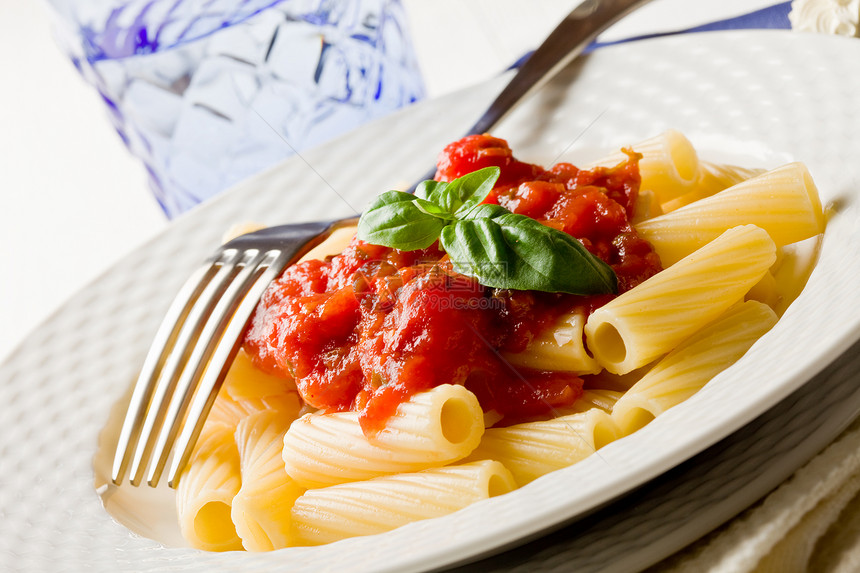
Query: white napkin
x=810, y=523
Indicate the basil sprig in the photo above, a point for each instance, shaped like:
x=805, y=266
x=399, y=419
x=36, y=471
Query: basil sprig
x=499, y=248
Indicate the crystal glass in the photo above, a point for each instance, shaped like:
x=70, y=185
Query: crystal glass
x=208, y=92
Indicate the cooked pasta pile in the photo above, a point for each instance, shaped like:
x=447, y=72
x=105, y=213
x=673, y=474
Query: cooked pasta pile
x=737, y=246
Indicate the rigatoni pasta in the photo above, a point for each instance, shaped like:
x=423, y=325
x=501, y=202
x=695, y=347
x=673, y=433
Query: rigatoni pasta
x=245, y=382
x=794, y=265
x=561, y=347
x=602, y=399
x=669, y=167
x=204, y=497
x=532, y=449
x=784, y=202
x=713, y=177
x=653, y=318
x=693, y=363
x=707, y=258
x=432, y=429
x=224, y=467
x=381, y=504
x=261, y=508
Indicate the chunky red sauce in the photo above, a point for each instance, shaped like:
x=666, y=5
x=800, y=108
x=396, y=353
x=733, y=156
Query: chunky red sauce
x=367, y=328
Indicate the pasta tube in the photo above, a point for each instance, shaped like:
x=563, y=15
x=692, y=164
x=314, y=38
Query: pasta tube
x=669, y=166
x=333, y=244
x=533, y=449
x=784, y=202
x=432, y=428
x=560, y=348
x=792, y=271
x=597, y=398
x=713, y=178
x=231, y=411
x=592, y=398
x=765, y=291
x=656, y=315
x=206, y=490
x=261, y=508
x=617, y=383
x=244, y=380
x=685, y=370
x=646, y=207
x=382, y=504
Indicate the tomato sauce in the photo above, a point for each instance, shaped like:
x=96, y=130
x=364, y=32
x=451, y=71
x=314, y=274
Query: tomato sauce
x=366, y=329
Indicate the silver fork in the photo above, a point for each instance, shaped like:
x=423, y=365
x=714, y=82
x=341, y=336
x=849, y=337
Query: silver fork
x=202, y=330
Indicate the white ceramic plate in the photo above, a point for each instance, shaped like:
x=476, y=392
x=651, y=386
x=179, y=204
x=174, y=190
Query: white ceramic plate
x=759, y=99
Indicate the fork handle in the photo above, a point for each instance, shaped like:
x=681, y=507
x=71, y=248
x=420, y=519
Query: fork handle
x=562, y=46
x=569, y=39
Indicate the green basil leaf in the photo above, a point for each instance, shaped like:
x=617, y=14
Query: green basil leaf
x=465, y=192
x=390, y=197
x=512, y=251
x=430, y=190
x=484, y=211
x=394, y=220
x=431, y=208
x=486, y=241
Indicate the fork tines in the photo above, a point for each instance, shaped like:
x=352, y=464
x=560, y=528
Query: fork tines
x=190, y=355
